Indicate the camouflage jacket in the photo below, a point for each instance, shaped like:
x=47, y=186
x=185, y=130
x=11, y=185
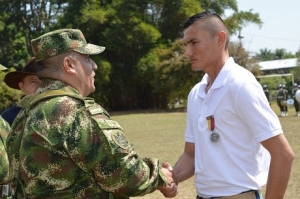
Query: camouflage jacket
x=66, y=146
x=4, y=164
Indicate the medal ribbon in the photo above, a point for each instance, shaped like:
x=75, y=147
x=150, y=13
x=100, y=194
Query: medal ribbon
x=211, y=122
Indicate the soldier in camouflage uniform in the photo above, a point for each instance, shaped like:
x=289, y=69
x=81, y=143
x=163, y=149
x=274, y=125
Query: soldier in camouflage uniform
x=5, y=188
x=63, y=144
x=4, y=129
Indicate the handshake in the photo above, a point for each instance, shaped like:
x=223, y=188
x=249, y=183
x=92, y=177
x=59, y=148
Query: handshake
x=170, y=190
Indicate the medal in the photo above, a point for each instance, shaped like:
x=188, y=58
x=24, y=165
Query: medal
x=214, y=137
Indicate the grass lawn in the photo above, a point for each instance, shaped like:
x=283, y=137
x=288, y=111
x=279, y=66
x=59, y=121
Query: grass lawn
x=161, y=135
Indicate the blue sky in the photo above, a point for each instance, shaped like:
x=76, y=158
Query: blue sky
x=280, y=29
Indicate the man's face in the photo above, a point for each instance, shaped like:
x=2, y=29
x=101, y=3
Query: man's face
x=29, y=84
x=86, y=73
x=201, y=47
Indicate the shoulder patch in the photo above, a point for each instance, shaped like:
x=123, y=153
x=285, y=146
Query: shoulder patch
x=120, y=139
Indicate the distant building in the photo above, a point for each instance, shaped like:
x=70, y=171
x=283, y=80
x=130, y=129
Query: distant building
x=281, y=66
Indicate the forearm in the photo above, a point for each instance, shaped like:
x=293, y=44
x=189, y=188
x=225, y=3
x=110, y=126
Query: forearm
x=184, y=168
x=136, y=177
x=279, y=173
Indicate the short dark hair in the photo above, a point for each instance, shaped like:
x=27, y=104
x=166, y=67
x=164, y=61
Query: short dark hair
x=52, y=66
x=213, y=23
x=201, y=15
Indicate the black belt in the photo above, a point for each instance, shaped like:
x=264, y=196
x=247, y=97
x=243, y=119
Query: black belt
x=216, y=197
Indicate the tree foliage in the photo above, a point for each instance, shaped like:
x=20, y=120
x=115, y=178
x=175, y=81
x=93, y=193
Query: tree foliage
x=279, y=53
x=25, y=20
x=143, y=65
x=243, y=58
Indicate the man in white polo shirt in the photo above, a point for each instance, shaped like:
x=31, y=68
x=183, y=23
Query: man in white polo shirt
x=234, y=142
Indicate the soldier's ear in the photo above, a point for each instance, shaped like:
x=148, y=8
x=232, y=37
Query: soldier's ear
x=69, y=65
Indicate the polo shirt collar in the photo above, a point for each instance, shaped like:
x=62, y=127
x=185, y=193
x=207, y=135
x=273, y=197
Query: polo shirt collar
x=219, y=81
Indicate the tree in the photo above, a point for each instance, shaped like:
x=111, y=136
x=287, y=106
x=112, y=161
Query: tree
x=242, y=57
x=265, y=54
x=239, y=19
x=13, y=52
x=23, y=21
x=173, y=14
x=279, y=53
x=139, y=68
x=169, y=73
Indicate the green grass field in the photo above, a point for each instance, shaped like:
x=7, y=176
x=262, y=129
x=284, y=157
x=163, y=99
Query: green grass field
x=161, y=135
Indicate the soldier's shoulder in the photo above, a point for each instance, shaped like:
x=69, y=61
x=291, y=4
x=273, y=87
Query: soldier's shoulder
x=58, y=101
x=4, y=126
x=60, y=107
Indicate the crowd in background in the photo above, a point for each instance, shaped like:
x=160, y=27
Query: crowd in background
x=284, y=98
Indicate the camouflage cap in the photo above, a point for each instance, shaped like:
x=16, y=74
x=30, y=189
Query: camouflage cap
x=2, y=67
x=61, y=41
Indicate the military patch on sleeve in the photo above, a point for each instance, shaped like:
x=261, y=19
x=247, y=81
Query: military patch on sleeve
x=120, y=139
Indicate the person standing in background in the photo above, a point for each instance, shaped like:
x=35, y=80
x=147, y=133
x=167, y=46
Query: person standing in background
x=281, y=99
x=286, y=95
x=296, y=103
x=25, y=80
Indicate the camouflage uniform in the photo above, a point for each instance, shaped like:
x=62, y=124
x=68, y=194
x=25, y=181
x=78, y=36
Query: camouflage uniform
x=65, y=146
x=5, y=189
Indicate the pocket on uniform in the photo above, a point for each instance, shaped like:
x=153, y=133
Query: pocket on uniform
x=112, y=136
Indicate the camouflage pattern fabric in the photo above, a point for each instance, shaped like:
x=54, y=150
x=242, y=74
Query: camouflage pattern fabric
x=61, y=41
x=4, y=164
x=66, y=147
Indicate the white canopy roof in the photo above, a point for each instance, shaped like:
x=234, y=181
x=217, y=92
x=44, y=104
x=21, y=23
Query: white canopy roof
x=278, y=64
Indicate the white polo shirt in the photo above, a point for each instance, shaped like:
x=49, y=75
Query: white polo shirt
x=243, y=118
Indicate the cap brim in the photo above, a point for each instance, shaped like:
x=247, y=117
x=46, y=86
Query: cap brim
x=90, y=49
x=12, y=79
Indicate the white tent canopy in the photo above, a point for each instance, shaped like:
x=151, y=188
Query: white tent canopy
x=278, y=64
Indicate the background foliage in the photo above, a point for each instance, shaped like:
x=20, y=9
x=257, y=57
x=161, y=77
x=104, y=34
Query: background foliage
x=143, y=66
